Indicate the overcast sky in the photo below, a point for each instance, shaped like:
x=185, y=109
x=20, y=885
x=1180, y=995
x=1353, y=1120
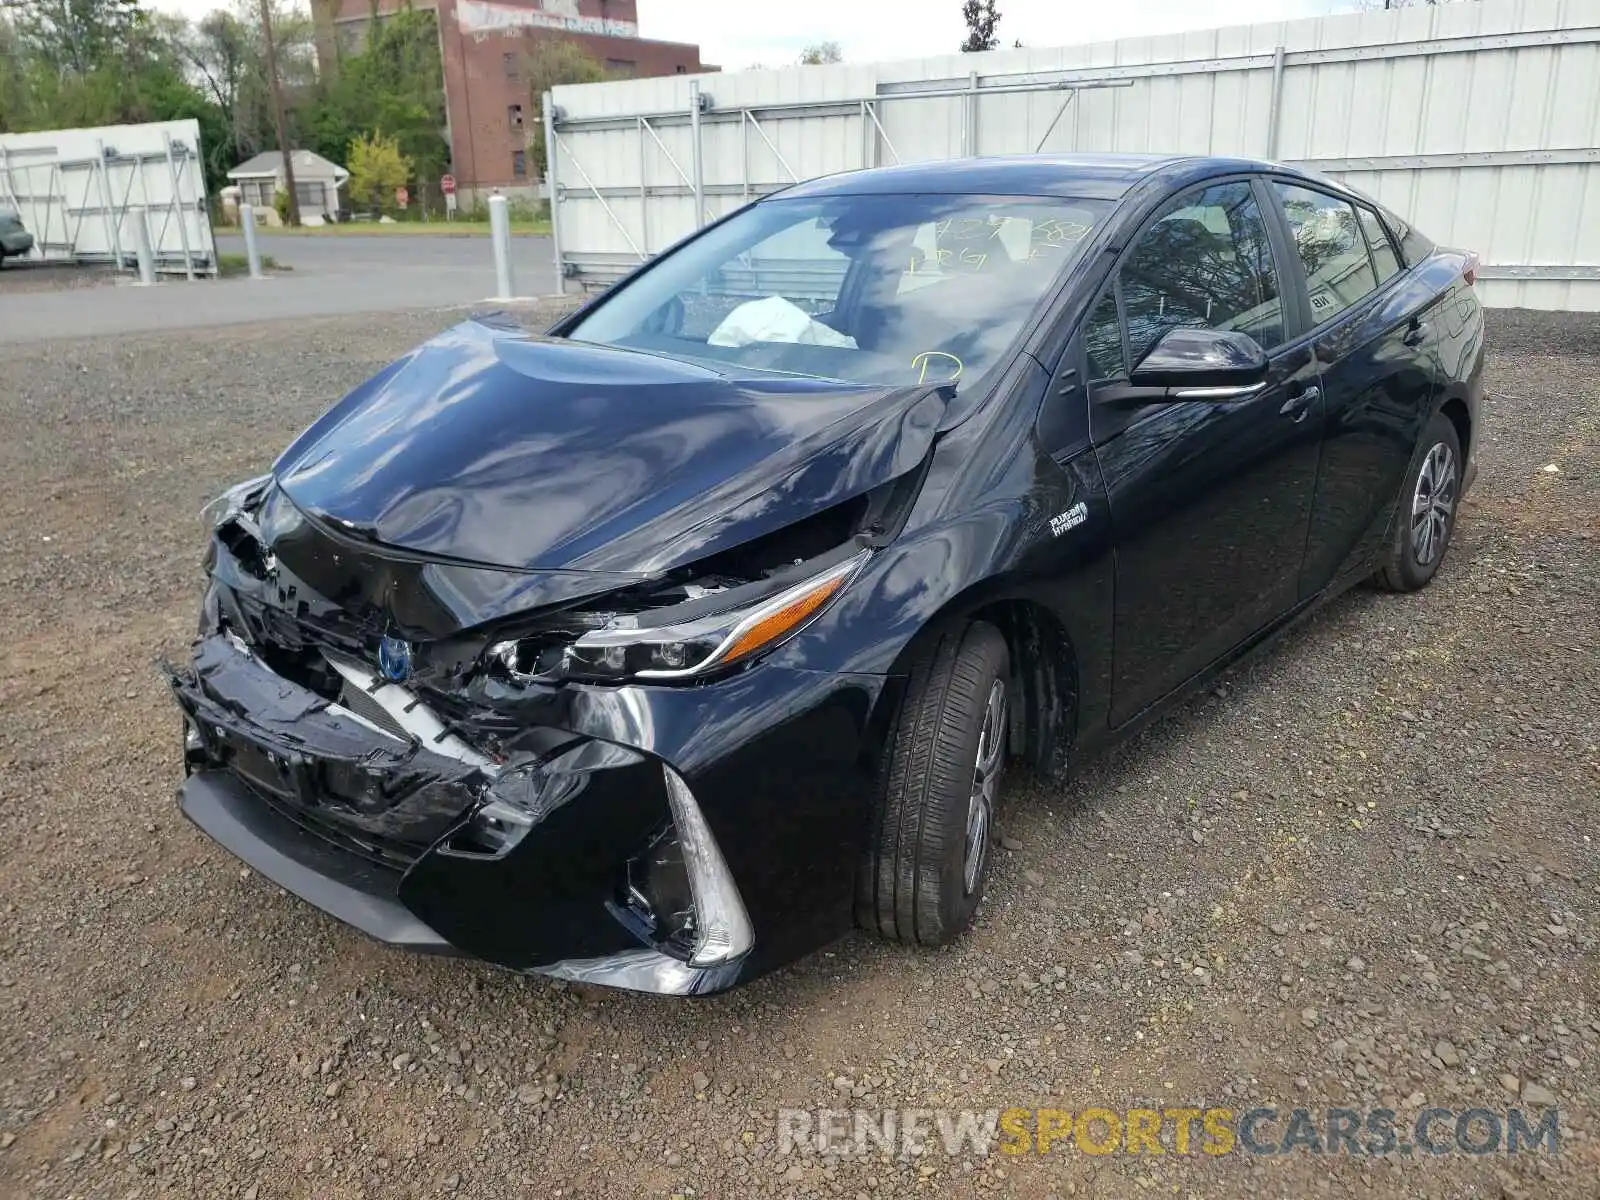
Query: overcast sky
x=739, y=33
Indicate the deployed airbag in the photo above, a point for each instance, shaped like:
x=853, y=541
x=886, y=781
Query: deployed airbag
x=775, y=319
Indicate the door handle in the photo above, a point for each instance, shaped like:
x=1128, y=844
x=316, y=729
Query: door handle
x=1417, y=331
x=1298, y=405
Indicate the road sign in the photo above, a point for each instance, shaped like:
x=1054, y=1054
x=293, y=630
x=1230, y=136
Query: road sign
x=447, y=185
x=402, y=197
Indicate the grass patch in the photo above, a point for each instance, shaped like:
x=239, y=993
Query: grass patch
x=231, y=265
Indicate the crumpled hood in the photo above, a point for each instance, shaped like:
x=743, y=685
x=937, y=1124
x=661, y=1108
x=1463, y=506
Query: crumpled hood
x=490, y=445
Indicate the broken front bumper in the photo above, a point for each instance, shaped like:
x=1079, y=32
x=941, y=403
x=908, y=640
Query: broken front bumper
x=427, y=844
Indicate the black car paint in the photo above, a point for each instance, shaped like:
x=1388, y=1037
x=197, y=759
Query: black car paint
x=491, y=447
x=1216, y=501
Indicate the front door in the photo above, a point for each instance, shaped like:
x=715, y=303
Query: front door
x=1211, y=494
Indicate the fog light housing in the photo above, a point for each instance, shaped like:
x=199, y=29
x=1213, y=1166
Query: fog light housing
x=721, y=930
x=195, y=756
x=658, y=894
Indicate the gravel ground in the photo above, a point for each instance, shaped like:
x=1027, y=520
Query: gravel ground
x=1361, y=870
x=25, y=276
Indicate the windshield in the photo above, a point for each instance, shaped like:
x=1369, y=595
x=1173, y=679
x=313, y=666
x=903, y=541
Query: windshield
x=874, y=289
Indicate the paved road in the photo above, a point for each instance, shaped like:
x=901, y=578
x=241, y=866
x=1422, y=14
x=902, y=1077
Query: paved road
x=348, y=252
x=329, y=276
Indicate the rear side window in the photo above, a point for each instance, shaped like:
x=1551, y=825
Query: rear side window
x=1384, y=259
x=1414, y=244
x=1205, y=264
x=1331, y=248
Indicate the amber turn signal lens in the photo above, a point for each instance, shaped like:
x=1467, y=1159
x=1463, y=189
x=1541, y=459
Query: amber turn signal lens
x=779, y=622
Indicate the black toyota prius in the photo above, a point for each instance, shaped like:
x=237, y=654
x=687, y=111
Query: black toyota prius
x=659, y=649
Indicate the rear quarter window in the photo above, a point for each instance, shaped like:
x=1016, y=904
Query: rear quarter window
x=1414, y=244
x=1384, y=260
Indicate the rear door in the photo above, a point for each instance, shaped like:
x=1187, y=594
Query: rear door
x=1374, y=333
x=1210, y=494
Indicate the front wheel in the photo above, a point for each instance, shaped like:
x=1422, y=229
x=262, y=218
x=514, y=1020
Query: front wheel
x=927, y=855
x=1426, y=516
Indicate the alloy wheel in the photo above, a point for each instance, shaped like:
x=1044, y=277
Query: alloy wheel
x=1433, y=503
x=985, y=784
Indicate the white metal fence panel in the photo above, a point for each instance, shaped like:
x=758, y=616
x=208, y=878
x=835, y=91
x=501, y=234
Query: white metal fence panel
x=81, y=191
x=1480, y=121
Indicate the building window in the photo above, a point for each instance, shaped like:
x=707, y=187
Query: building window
x=519, y=164
x=514, y=116
x=681, y=69
x=509, y=61
x=624, y=68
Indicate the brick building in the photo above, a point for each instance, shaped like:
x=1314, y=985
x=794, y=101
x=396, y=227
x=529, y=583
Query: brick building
x=488, y=109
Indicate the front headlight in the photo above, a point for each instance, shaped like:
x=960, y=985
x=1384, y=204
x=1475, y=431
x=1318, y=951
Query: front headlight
x=237, y=499
x=631, y=647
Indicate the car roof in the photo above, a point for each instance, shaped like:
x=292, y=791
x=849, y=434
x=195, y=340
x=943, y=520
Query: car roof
x=1086, y=176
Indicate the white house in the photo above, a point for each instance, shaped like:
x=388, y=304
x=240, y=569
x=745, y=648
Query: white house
x=316, y=182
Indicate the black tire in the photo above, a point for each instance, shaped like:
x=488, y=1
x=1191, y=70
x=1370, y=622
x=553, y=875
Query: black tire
x=913, y=884
x=1433, y=484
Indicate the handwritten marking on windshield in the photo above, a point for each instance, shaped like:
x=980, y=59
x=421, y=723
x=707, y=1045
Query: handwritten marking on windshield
x=923, y=360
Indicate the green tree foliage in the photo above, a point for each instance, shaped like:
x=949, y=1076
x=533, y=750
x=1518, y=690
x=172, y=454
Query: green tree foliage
x=79, y=37
x=70, y=63
x=67, y=63
x=88, y=62
x=982, y=18
x=552, y=62
x=377, y=168
x=224, y=57
x=821, y=54
x=396, y=84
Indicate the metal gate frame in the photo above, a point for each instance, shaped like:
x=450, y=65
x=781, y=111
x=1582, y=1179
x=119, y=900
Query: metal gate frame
x=598, y=269
x=78, y=189
x=604, y=270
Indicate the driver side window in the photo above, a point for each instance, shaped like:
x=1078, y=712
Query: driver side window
x=1207, y=264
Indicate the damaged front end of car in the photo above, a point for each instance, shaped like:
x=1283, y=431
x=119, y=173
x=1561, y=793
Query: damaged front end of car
x=639, y=778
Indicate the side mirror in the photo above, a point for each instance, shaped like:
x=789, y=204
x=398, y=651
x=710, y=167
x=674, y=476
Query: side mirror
x=1224, y=362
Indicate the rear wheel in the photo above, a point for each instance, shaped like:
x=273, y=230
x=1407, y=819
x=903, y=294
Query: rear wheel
x=1426, y=516
x=927, y=857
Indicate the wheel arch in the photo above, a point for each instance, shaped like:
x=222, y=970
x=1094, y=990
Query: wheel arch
x=1045, y=674
x=1455, y=410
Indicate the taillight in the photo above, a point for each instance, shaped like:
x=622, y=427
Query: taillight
x=1470, y=271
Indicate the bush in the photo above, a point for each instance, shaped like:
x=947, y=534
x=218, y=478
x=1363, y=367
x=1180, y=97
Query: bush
x=517, y=208
x=280, y=201
x=377, y=168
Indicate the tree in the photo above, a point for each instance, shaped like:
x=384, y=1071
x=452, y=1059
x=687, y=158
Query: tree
x=821, y=54
x=73, y=63
x=395, y=84
x=78, y=36
x=14, y=93
x=982, y=19
x=377, y=168
x=223, y=54
x=552, y=62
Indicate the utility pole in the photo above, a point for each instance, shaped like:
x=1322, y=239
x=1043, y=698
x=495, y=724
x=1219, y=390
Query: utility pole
x=277, y=115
